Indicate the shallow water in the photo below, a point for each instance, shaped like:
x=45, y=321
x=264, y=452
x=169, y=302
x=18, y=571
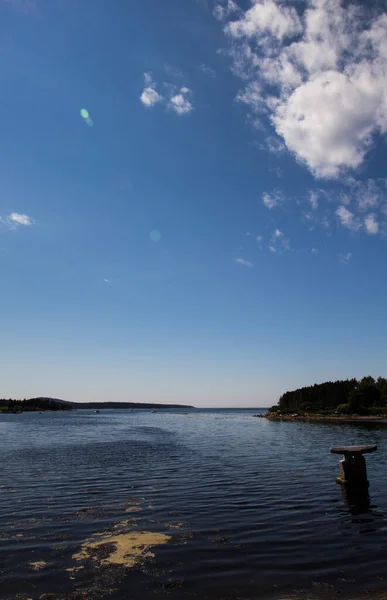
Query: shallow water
x=251, y=507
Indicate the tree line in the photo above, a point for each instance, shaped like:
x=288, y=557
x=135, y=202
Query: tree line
x=364, y=396
x=32, y=404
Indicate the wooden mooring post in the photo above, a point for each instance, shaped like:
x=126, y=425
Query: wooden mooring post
x=353, y=470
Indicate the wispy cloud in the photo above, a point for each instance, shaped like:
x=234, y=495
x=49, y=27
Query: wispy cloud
x=317, y=75
x=368, y=194
x=106, y=280
x=173, y=71
x=150, y=96
x=344, y=258
x=313, y=200
x=348, y=204
x=348, y=219
x=207, y=70
x=314, y=251
x=371, y=225
x=181, y=103
x=279, y=242
x=273, y=199
x=224, y=9
x=244, y=262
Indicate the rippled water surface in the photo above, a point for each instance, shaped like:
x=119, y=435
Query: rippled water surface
x=250, y=507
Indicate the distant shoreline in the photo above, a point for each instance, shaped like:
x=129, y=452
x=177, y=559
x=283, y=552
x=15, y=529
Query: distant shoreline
x=43, y=404
x=321, y=418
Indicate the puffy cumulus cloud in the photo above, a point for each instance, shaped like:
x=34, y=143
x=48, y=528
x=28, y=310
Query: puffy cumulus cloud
x=318, y=73
x=20, y=219
x=327, y=123
x=14, y=220
x=150, y=96
x=266, y=18
x=181, y=103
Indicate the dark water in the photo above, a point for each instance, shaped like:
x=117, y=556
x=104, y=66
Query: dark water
x=251, y=506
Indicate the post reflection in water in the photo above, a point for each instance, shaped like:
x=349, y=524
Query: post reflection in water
x=356, y=498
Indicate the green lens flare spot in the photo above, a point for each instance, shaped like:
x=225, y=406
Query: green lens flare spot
x=84, y=113
x=155, y=235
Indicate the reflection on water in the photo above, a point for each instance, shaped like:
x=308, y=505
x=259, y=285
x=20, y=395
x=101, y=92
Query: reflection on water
x=356, y=497
x=247, y=508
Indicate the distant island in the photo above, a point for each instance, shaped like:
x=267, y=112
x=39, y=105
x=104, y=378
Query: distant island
x=53, y=404
x=362, y=398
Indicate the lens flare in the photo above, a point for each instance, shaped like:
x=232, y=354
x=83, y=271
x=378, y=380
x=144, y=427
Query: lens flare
x=155, y=235
x=86, y=117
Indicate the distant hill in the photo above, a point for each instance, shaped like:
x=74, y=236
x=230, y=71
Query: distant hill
x=33, y=404
x=43, y=403
x=124, y=405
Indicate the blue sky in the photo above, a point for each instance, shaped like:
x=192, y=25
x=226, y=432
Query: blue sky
x=193, y=199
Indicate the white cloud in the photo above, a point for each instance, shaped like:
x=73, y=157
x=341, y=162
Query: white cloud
x=285, y=243
x=371, y=224
x=319, y=74
x=279, y=241
x=180, y=102
x=313, y=200
x=15, y=220
x=347, y=218
x=314, y=251
x=259, y=240
x=223, y=10
x=266, y=17
x=20, y=219
x=327, y=122
x=345, y=257
x=207, y=70
x=273, y=199
x=368, y=194
x=172, y=71
x=244, y=262
x=150, y=96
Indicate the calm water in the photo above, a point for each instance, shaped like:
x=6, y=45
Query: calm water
x=251, y=506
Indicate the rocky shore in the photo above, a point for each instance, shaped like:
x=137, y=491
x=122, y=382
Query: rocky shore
x=278, y=416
